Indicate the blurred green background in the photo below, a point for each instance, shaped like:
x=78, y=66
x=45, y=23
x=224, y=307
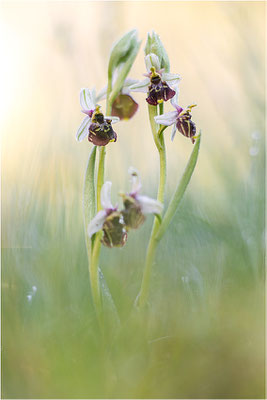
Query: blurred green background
x=202, y=334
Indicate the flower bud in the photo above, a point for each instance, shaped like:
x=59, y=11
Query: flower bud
x=154, y=45
x=122, y=50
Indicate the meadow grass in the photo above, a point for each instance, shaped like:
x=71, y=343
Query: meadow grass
x=201, y=335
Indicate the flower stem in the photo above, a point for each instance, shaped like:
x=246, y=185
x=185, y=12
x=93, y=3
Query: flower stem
x=95, y=253
x=180, y=190
x=89, y=213
x=100, y=175
x=152, y=245
x=94, y=277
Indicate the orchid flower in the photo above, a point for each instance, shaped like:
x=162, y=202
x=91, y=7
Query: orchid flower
x=109, y=220
x=124, y=106
x=95, y=125
x=158, y=84
x=180, y=119
x=136, y=205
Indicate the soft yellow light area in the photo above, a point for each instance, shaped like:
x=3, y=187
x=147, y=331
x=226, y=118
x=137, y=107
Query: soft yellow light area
x=52, y=49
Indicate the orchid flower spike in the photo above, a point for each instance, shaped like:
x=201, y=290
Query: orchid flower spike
x=136, y=205
x=180, y=119
x=159, y=85
x=95, y=125
x=109, y=220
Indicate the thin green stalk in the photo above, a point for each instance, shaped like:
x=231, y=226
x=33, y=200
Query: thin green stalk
x=100, y=175
x=152, y=245
x=94, y=270
x=180, y=190
x=89, y=207
x=94, y=277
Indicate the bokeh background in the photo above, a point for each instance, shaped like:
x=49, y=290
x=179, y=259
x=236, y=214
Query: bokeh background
x=202, y=334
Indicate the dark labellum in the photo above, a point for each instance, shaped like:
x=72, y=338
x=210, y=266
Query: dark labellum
x=186, y=126
x=158, y=91
x=132, y=214
x=115, y=234
x=101, y=131
x=124, y=106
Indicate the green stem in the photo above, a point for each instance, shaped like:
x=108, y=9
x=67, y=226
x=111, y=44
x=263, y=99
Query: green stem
x=95, y=253
x=89, y=207
x=100, y=175
x=152, y=245
x=94, y=277
x=180, y=190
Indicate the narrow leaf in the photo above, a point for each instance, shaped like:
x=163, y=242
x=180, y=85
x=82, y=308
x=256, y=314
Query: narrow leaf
x=89, y=204
x=180, y=190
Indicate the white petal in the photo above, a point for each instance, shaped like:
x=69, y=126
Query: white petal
x=152, y=60
x=97, y=223
x=173, y=132
x=141, y=86
x=83, y=129
x=174, y=100
x=171, y=79
x=166, y=119
x=87, y=99
x=106, y=196
x=149, y=206
x=135, y=180
x=114, y=120
x=127, y=84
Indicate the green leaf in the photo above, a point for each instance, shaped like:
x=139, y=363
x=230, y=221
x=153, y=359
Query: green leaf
x=180, y=190
x=111, y=316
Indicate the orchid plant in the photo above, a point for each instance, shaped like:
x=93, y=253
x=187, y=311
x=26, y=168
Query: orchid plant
x=110, y=225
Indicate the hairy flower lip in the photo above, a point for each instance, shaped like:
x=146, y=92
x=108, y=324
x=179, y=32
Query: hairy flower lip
x=89, y=107
x=153, y=67
x=124, y=106
x=180, y=119
x=115, y=234
x=100, y=129
x=136, y=205
x=159, y=91
x=101, y=134
x=96, y=224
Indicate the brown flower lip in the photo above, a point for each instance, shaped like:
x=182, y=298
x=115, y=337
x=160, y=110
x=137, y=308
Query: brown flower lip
x=185, y=125
x=124, y=106
x=159, y=90
x=132, y=213
x=114, y=231
x=101, y=131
